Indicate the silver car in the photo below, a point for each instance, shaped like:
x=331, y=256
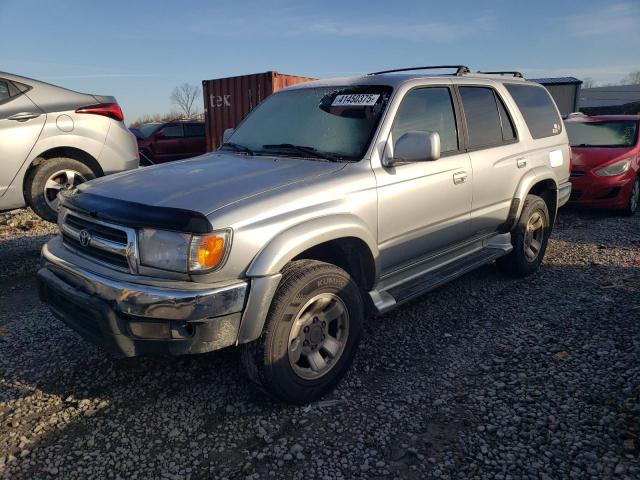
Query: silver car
x=333, y=200
x=53, y=139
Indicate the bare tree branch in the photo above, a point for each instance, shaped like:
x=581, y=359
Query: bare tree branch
x=184, y=96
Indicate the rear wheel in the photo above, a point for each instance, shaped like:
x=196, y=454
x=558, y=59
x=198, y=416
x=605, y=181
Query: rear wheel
x=311, y=333
x=50, y=178
x=634, y=199
x=529, y=239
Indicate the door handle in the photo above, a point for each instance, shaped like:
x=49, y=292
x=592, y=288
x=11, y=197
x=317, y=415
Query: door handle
x=521, y=162
x=24, y=116
x=459, y=177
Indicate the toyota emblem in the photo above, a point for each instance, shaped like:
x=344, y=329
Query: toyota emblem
x=85, y=238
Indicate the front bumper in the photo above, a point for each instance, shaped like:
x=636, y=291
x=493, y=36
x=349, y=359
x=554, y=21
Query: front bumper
x=131, y=319
x=591, y=190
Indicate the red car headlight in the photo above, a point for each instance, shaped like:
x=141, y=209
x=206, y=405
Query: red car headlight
x=617, y=168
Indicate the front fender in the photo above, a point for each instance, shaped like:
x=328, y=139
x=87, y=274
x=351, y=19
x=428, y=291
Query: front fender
x=264, y=271
x=295, y=240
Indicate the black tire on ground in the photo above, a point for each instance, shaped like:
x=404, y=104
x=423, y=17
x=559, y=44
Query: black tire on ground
x=37, y=179
x=632, y=204
x=520, y=262
x=266, y=361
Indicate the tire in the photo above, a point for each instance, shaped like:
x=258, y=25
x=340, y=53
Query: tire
x=307, y=288
x=529, y=245
x=40, y=189
x=634, y=199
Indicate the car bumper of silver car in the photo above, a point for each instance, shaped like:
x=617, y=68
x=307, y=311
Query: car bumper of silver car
x=131, y=319
x=564, y=192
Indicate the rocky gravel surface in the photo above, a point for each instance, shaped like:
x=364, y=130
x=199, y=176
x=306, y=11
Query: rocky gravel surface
x=487, y=377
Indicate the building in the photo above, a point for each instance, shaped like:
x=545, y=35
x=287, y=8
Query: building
x=564, y=90
x=617, y=99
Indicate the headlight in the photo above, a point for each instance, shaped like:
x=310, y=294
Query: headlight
x=617, y=168
x=182, y=252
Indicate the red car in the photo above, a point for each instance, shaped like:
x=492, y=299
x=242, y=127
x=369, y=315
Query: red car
x=165, y=142
x=605, y=155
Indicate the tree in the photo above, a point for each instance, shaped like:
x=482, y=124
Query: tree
x=588, y=83
x=184, y=96
x=632, y=79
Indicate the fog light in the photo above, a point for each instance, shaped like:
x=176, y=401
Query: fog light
x=151, y=330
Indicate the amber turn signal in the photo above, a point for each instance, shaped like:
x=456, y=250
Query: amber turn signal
x=207, y=251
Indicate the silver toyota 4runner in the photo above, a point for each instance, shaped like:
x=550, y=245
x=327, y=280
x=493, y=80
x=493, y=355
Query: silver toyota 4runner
x=333, y=200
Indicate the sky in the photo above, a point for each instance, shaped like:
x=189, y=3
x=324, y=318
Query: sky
x=139, y=50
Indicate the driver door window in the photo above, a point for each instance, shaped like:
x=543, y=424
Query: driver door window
x=428, y=110
x=172, y=131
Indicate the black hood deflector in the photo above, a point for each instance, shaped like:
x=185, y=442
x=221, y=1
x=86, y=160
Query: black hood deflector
x=135, y=215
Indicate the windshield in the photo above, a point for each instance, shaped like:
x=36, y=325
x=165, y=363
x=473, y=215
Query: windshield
x=327, y=123
x=619, y=133
x=148, y=128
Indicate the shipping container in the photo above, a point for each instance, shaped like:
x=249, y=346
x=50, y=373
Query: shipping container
x=228, y=100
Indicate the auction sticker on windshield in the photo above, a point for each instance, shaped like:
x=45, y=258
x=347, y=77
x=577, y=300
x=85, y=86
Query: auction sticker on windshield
x=355, y=100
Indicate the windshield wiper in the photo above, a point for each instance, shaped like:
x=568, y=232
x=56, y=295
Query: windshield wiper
x=304, y=150
x=236, y=147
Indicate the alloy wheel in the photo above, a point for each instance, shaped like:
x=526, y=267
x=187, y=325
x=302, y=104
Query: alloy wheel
x=61, y=180
x=318, y=336
x=635, y=196
x=534, y=236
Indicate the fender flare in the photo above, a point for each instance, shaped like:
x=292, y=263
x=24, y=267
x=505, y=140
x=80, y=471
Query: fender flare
x=300, y=237
x=264, y=271
x=528, y=180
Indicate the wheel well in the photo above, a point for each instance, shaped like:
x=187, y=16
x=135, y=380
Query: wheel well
x=66, y=152
x=351, y=254
x=547, y=190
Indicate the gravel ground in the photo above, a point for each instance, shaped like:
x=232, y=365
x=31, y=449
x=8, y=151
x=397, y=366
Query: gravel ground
x=487, y=377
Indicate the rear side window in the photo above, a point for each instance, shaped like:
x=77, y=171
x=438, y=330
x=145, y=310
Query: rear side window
x=4, y=91
x=537, y=108
x=508, y=131
x=483, y=120
x=428, y=110
x=194, y=130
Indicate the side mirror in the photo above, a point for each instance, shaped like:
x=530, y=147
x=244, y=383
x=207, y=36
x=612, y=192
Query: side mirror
x=416, y=147
x=227, y=134
x=160, y=135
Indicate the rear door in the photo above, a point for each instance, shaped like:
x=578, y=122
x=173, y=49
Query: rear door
x=21, y=122
x=194, y=139
x=424, y=206
x=168, y=143
x=496, y=156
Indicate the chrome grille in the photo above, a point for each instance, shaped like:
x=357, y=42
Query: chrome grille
x=102, y=242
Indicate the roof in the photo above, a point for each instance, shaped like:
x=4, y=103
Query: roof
x=609, y=96
x=556, y=81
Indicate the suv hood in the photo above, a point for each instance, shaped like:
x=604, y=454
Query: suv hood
x=207, y=183
x=586, y=158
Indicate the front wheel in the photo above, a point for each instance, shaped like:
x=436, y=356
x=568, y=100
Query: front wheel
x=634, y=199
x=529, y=239
x=311, y=334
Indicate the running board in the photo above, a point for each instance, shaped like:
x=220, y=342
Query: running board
x=385, y=300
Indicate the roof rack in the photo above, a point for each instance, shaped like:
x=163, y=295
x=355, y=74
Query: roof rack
x=515, y=74
x=460, y=69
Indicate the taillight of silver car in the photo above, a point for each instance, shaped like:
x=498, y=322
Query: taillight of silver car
x=111, y=110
